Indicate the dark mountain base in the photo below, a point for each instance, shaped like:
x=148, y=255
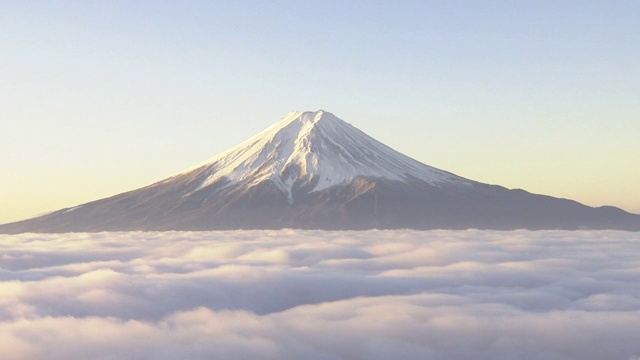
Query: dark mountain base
x=360, y=204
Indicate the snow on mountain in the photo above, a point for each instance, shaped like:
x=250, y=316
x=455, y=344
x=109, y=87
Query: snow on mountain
x=315, y=147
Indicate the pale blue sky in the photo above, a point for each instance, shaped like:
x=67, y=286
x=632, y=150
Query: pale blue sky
x=101, y=97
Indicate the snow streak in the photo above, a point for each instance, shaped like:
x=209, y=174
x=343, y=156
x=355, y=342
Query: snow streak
x=316, y=146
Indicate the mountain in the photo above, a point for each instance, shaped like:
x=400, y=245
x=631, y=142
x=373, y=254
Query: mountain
x=312, y=170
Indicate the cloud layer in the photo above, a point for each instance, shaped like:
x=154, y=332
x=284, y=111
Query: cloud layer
x=321, y=295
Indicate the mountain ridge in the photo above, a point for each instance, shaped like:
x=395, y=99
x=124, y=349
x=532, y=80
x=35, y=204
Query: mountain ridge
x=302, y=146
x=313, y=170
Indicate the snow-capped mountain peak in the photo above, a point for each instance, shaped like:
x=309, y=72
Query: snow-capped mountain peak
x=334, y=177
x=314, y=148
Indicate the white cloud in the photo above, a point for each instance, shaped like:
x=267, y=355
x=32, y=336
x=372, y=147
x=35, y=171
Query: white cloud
x=320, y=295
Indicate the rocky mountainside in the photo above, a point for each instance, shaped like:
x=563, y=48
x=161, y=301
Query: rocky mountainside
x=313, y=170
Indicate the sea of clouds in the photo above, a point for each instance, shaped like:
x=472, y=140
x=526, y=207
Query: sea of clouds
x=295, y=294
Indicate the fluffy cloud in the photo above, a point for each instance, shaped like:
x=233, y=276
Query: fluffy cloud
x=320, y=295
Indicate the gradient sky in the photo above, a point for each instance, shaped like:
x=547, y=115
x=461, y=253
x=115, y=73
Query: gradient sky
x=101, y=97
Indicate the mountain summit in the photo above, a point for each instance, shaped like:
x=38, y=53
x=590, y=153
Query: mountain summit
x=313, y=170
x=314, y=151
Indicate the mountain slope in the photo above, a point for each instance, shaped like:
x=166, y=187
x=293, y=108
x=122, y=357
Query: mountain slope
x=317, y=149
x=313, y=170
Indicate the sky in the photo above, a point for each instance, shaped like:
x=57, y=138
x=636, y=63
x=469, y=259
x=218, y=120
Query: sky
x=454, y=295
x=102, y=97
